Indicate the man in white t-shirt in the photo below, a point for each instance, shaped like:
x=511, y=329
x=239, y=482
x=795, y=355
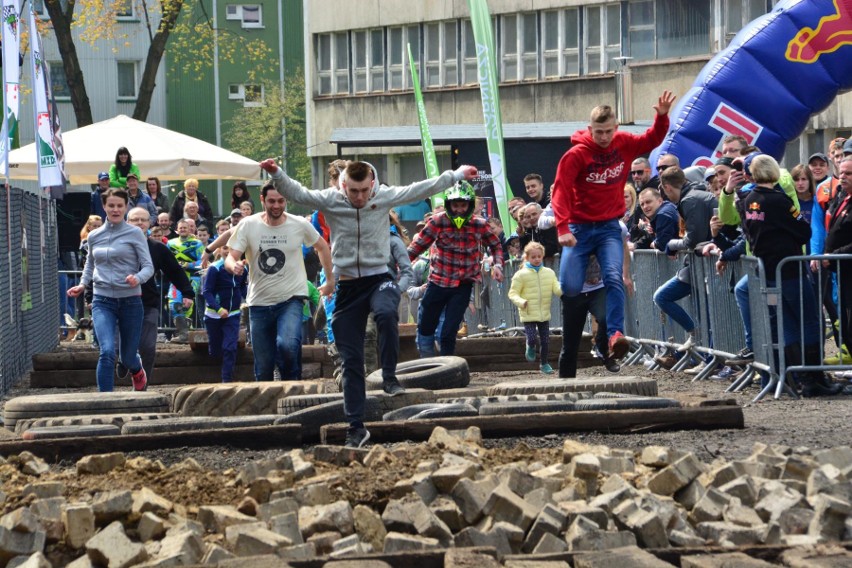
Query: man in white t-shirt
x=278, y=287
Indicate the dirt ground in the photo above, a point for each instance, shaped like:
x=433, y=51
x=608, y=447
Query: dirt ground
x=816, y=423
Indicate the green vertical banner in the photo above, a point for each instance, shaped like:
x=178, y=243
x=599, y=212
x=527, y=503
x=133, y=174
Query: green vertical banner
x=429, y=157
x=487, y=72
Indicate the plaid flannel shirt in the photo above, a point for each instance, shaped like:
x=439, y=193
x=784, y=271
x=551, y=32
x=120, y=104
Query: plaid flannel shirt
x=455, y=256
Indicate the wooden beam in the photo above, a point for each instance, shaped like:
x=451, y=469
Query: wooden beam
x=256, y=437
x=506, y=426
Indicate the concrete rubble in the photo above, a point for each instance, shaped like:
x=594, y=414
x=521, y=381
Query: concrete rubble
x=602, y=505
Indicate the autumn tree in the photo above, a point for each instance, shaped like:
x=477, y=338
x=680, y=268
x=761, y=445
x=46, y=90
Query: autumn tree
x=186, y=23
x=256, y=131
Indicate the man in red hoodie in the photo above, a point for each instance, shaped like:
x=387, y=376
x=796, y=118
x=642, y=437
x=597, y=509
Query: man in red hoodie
x=588, y=201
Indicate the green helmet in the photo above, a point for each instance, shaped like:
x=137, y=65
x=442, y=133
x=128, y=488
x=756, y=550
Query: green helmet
x=462, y=191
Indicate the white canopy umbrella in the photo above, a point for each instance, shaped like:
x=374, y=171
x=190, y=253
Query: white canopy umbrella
x=157, y=151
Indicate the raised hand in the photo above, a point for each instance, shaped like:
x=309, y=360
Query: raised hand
x=269, y=166
x=664, y=103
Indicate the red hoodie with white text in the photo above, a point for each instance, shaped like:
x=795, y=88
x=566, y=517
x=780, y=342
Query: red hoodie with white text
x=590, y=180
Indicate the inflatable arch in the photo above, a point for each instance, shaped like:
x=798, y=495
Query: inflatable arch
x=778, y=71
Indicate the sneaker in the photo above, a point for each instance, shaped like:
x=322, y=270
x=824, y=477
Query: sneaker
x=122, y=373
x=392, y=387
x=842, y=358
x=546, y=369
x=530, y=352
x=821, y=388
x=744, y=356
x=726, y=374
x=687, y=345
x=618, y=345
x=356, y=437
x=666, y=361
x=612, y=365
x=695, y=370
x=140, y=380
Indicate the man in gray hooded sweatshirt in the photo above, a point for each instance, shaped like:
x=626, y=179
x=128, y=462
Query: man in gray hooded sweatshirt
x=357, y=214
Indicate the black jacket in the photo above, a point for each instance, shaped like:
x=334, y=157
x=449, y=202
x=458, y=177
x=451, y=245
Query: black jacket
x=772, y=230
x=165, y=263
x=204, y=210
x=547, y=237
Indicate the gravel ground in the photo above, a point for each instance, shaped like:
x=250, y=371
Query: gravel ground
x=815, y=423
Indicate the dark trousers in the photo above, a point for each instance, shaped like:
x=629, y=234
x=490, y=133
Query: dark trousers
x=355, y=300
x=435, y=300
x=148, y=339
x=222, y=337
x=574, y=312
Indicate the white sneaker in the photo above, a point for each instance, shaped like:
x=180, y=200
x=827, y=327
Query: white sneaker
x=695, y=370
x=688, y=344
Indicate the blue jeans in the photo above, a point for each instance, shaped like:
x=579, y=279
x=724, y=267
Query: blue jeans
x=277, y=330
x=223, y=334
x=128, y=314
x=666, y=297
x=438, y=301
x=741, y=295
x=602, y=239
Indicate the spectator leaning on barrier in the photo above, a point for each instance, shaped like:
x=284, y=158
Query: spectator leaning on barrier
x=588, y=201
x=695, y=207
x=839, y=241
x=776, y=229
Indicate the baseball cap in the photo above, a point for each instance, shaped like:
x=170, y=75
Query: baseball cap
x=709, y=173
x=132, y=175
x=236, y=212
x=748, y=160
x=819, y=155
x=103, y=175
x=695, y=174
x=847, y=147
x=725, y=161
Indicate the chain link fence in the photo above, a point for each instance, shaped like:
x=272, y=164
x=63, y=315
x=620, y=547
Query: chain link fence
x=29, y=287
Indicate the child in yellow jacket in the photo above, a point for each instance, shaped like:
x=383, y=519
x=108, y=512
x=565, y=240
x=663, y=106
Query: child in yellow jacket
x=533, y=288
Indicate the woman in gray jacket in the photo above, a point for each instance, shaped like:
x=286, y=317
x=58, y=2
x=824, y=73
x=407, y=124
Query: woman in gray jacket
x=117, y=263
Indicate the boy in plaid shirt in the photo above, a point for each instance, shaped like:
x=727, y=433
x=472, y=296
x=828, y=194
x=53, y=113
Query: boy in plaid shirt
x=455, y=258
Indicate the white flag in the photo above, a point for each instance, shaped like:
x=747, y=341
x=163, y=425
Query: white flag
x=11, y=36
x=49, y=167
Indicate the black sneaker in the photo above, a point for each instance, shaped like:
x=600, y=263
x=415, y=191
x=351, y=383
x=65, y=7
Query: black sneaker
x=122, y=373
x=356, y=437
x=745, y=356
x=612, y=365
x=392, y=387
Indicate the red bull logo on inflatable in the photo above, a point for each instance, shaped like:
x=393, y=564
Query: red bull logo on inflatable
x=832, y=32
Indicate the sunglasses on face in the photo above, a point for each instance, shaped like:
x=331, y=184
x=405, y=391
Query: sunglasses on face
x=663, y=167
x=637, y=172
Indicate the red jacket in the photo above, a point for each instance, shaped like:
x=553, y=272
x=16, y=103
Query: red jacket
x=589, y=183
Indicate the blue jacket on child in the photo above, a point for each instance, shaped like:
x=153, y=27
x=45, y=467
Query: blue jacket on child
x=223, y=290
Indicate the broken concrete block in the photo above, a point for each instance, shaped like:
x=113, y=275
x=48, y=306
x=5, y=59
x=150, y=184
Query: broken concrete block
x=252, y=539
x=729, y=560
x=691, y=494
x=150, y=527
x=469, y=559
x=111, y=547
x=215, y=554
x=574, y=509
x=111, y=505
x=675, y=476
x=472, y=496
x=446, y=478
x=572, y=448
x=398, y=542
x=217, y=518
x=421, y=484
x=744, y=488
x=304, y=551
x=829, y=519
x=32, y=464
x=180, y=549
x=609, y=501
x=44, y=489
x=721, y=531
x=710, y=507
x=336, y=516
x=656, y=456
x=474, y=537
x=100, y=464
x=79, y=522
x=447, y=510
x=840, y=457
x=323, y=542
x=145, y=501
x=798, y=468
x=584, y=534
x=646, y=525
x=616, y=464
x=369, y=526
x=685, y=539
x=771, y=506
x=550, y=543
x=505, y=505
x=287, y=525
x=620, y=557
x=739, y=514
x=277, y=507
x=551, y=520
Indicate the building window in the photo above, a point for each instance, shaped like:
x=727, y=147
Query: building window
x=441, y=54
x=368, y=61
x=738, y=13
x=560, y=30
x=249, y=95
x=519, y=47
x=664, y=29
x=249, y=15
x=399, y=70
x=58, y=83
x=470, y=66
x=127, y=79
x=333, y=63
x=602, y=37
x=124, y=10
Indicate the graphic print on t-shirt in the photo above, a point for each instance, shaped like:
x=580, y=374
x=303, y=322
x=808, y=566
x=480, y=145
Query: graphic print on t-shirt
x=271, y=259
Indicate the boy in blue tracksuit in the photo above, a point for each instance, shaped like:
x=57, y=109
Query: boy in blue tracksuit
x=223, y=294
